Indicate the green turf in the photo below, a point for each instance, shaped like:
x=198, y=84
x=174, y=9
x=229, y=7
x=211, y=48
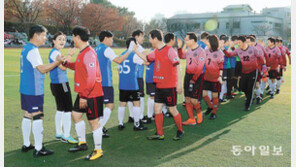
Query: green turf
x=208, y=144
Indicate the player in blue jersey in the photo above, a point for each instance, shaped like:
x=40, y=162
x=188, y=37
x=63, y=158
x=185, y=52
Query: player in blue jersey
x=32, y=89
x=61, y=91
x=129, y=88
x=105, y=56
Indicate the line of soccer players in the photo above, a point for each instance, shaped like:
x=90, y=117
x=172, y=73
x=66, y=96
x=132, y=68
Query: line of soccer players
x=211, y=63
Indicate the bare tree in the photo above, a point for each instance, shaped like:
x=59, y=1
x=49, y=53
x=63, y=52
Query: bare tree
x=262, y=29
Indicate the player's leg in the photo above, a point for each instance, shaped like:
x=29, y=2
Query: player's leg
x=130, y=109
x=188, y=105
x=56, y=92
x=178, y=121
x=215, y=106
x=206, y=98
x=142, y=98
x=150, y=90
x=158, y=119
x=279, y=81
x=109, y=105
x=26, y=131
x=137, y=115
x=251, y=80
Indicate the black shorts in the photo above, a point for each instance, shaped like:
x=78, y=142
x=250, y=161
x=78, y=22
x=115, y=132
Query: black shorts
x=238, y=69
x=129, y=95
x=150, y=89
x=279, y=74
x=108, y=95
x=167, y=96
x=272, y=74
x=212, y=86
x=94, y=107
x=141, y=86
x=62, y=95
x=196, y=93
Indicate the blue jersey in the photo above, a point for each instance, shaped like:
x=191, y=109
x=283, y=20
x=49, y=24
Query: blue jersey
x=57, y=75
x=140, y=72
x=128, y=73
x=202, y=44
x=105, y=65
x=31, y=80
x=149, y=72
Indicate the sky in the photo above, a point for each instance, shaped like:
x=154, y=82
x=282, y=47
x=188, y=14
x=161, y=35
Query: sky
x=147, y=9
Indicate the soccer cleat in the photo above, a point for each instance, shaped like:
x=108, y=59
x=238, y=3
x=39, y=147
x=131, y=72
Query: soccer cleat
x=146, y=120
x=271, y=95
x=209, y=110
x=259, y=99
x=247, y=108
x=222, y=100
x=178, y=135
x=42, y=152
x=268, y=93
x=156, y=137
x=213, y=116
x=267, y=88
x=105, y=135
x=97, y=153
x=69, y=139
x=130, y=120
x=277, y=91
x=140, y=128
x=167, y=115
x=58, y=137
x=81, y=146
x=121, y=127
x=26, y=149
x=189, y=122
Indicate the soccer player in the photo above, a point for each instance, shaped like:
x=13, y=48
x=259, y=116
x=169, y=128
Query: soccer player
x=283, y=64
x=61, y=91
x=251, y=42
x=203, y=40
x=286, y=49
x=273, y=58
x=249, y=57
x=226, y=76
x=129, y=88
x=167, y=76
x=213, y=75
x=195, y=60
x=32, y=89
x=88, y=85
x=238, y=66
x=105, y=56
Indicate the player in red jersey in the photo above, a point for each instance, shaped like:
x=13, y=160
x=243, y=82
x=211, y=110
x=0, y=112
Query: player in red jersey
x=213, y=75
x=88, y=85
x=273, y=58
x=249, y=57
x=167, y=76
x=283, y=64
x=195, y=60
x=251, y=41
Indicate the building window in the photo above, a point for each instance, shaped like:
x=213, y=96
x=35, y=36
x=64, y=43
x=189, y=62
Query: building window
x=236, y=24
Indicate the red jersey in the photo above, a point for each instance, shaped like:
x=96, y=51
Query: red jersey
x=273, y=57
x=249, y=58
x=87, y=77
x=214, y=63
x=195, y=60
x=260, y=49
x=287, y=52
x=165, y=70
x=283, y=53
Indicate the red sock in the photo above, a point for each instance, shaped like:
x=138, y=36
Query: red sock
x=197, y=107
x=198, y=113
x=208, y=101
x=178, y=122
x=215, y=104
x=189, y=109
x=159, y=123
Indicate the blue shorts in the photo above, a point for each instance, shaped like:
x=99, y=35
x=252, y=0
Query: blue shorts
x=108, y=95
x=32, y=103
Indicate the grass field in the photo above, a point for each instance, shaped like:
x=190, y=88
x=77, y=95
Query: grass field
x=207, y=144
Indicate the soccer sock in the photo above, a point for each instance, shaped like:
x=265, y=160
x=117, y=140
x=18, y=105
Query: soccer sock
x=208, y=101
x=210, y=94
x=97, y=135
x=37, y=129
x=269, y=83
x=263, y=85
x=258, y=91
x=189, y=109
x=137, y=115
x=198, y=112
x=178, y=122
x=130, y=109
x=279, y=83
x=150, y=107
x=159, y=123
x=66, y=119
x=58, y=122
x=80, y=130
x=142, y=105
x=107, y=113
x=26, y=129
x=215, y=105
x=121, y=111
x=164, y=109
x=273, y=86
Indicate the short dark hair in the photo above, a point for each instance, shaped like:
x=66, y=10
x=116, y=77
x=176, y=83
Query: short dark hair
x=252, y=35
x=156, y=33
x=137, y=33
x=82, y=32
x=168, y=37
x=234, y=37
x=242, y=38
x=281, y=40
x=36, y=29
x=56, y=35
x=271, y=39
x=192, y=35
x=251, y=38
x=214, y=42
x=222, y=36
x=204, y=35
x=105, y=33
x=129, y=40
x=277, y=40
